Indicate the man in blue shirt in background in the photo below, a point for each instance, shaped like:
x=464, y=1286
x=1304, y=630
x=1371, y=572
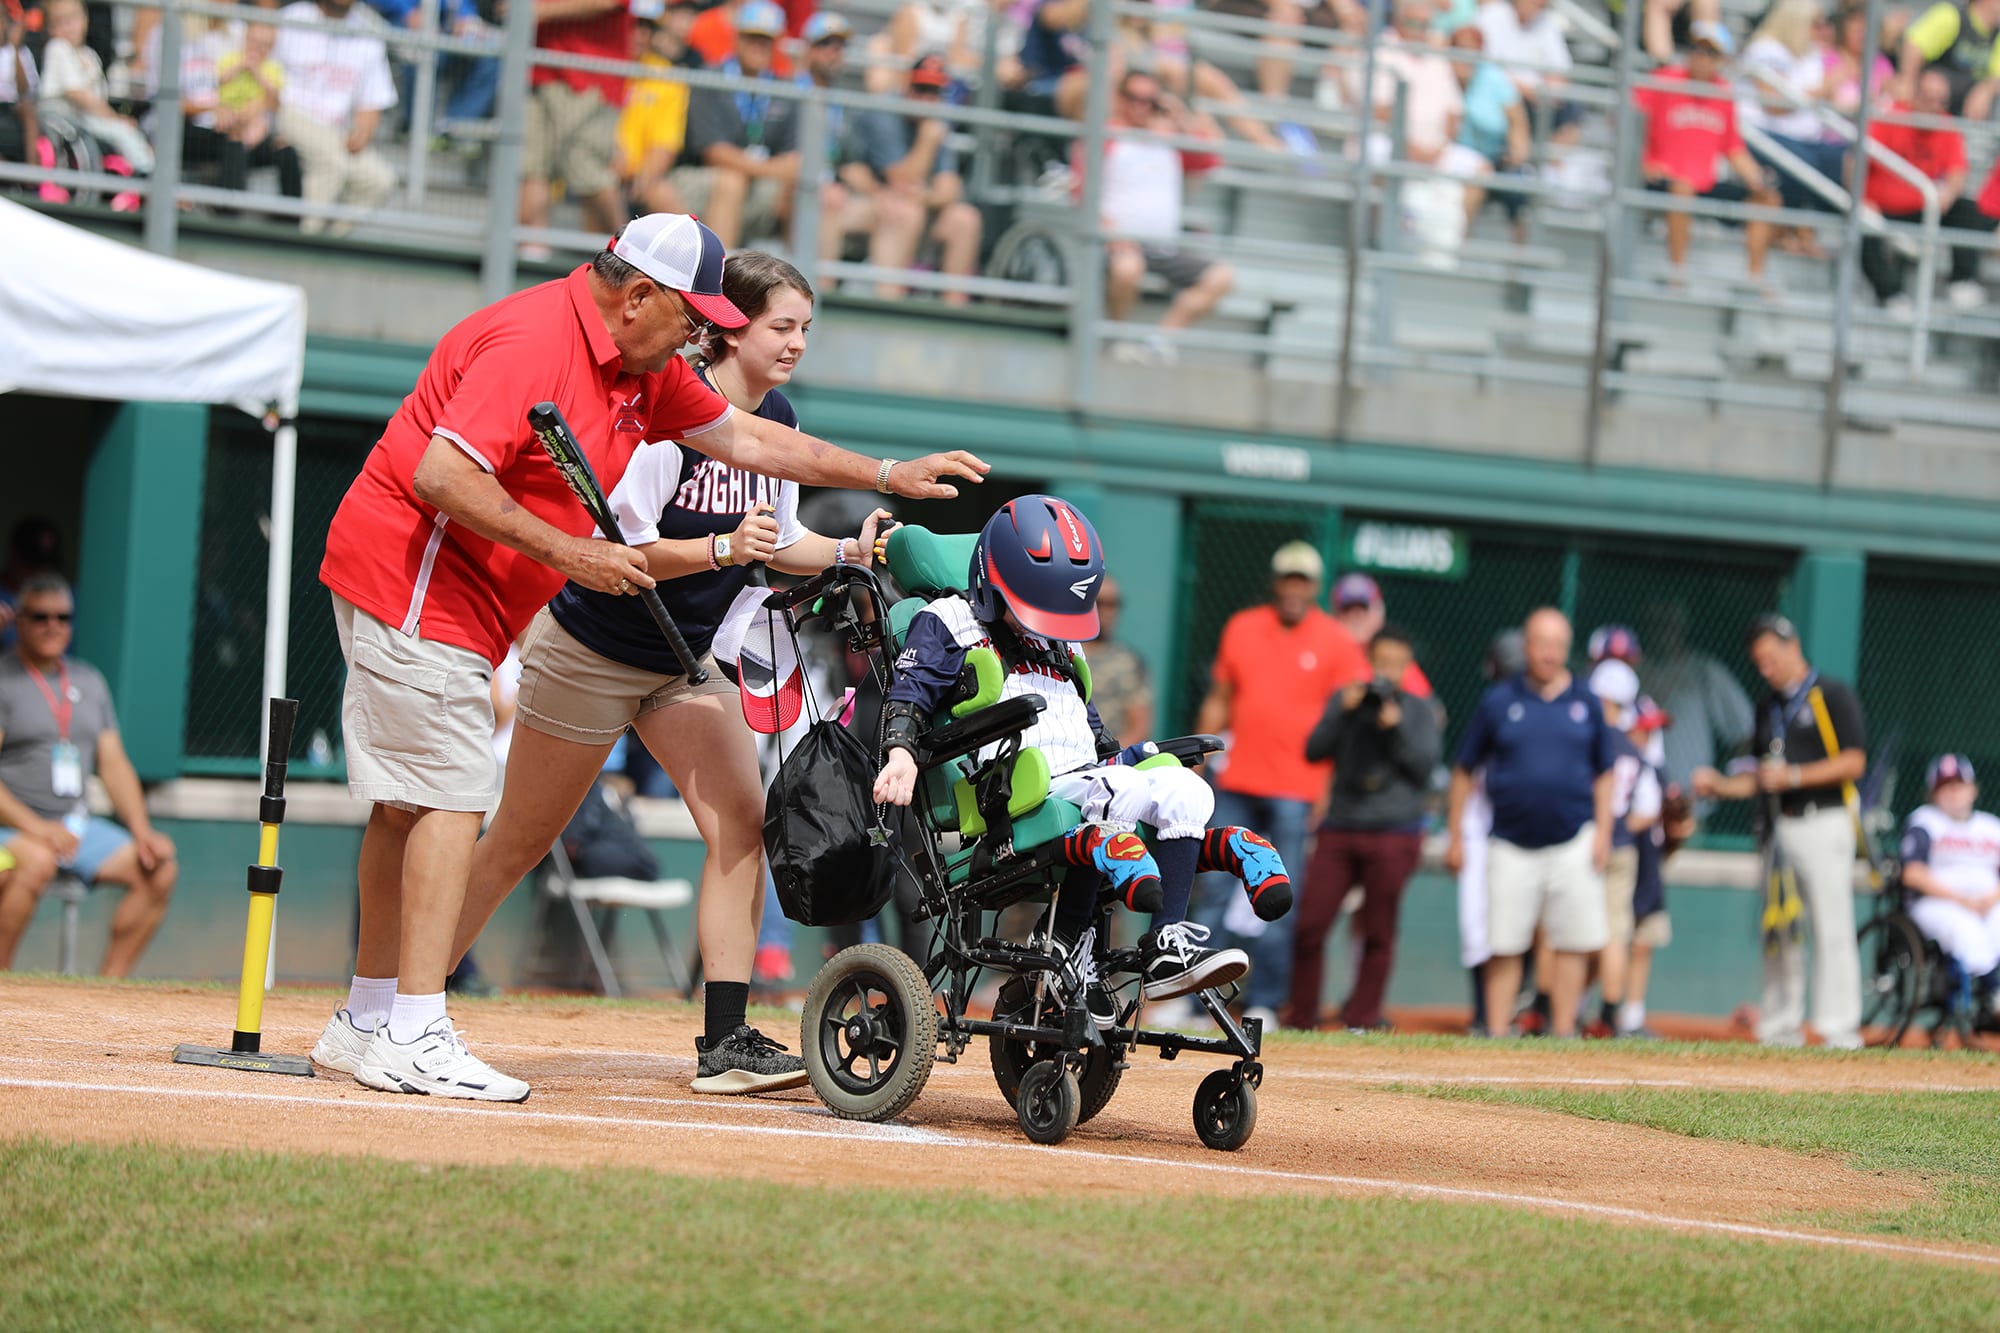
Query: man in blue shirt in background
x=1548, y=753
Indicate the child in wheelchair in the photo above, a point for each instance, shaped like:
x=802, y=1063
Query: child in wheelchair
x=1951, y=875
x=1032, y=598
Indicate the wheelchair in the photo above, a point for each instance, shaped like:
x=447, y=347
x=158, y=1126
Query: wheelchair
x=979, y=837
x=1907, y=980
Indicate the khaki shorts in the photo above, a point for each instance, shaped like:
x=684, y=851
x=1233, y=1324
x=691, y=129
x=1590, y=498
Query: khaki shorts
x=577, y=694
x=1621, y=877
x=1656, y=931
x=1554, y=887
x=761, y=204
x=418, y=718
x=572, y=135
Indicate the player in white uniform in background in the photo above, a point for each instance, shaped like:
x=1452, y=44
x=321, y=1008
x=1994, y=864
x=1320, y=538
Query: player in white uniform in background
x=1504, y=657
x=1951, y=867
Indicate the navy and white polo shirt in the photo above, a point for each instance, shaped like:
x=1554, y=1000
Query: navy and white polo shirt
x=1542, y=757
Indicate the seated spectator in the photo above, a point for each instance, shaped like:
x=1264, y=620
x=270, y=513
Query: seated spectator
x=1141, y=198
x=73, y=88
x=1960, y=39
x=1139, y=44
x=713, y=37
x=474, y=81
x=1685, y=134
x=1525, y=30
x=1667, y=26
x=953, y=30
x=239, y=131
x=1842, y=83
x=572, y=128
x=1784, y=62
x=653, y=127
x=1274, y=67
x=911, y=176
x=1494, y=125
x=336, y=87
x=19, y=130
x=1054, y=54
x=57, y=728
x=1940, y=155
x=742, y=149
x=1432, y=109
x=1951, y=871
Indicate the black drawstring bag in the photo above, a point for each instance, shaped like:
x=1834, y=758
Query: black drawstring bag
x=830, y=858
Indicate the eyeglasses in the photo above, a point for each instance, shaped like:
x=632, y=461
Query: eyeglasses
x=48, y=617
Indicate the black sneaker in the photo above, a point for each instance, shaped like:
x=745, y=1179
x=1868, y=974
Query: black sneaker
x=746, y=1061
x=1176, y=964
x=1078, y=975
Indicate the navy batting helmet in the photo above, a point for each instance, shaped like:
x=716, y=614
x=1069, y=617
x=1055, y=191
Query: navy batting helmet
x=1039, y=558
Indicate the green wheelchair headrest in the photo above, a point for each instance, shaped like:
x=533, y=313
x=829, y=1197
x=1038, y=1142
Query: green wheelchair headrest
x=928, y=563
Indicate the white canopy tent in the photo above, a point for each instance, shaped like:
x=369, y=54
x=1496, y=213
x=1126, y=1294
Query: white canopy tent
x=89, y=317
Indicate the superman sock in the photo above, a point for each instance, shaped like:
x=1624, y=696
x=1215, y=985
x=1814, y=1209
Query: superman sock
x=1121, y=858
x=1237, y=851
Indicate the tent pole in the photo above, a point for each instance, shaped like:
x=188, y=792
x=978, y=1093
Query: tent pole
x=278, y=585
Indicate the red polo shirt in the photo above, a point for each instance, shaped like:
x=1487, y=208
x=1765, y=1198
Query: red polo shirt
x=1281, y=679
x=1936, y=153
x=607, y=35
x=1684, y=133
x=406, y=564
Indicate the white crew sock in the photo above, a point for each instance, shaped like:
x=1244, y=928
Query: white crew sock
x=411, y=1014
x=368, y=1001
x=1631, y=1015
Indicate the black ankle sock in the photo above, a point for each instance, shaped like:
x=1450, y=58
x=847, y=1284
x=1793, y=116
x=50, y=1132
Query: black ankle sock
x=1478, y=975
x=1609, y=1013
x=723, y=1006
x=1176, y=858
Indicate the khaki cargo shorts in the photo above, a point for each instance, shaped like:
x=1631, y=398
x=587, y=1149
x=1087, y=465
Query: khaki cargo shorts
x=417, y=716
x=575, y=693
x=1621, y=879
x=571, y=135
x=1555, y=887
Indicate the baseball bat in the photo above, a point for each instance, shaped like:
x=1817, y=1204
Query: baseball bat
x=559, y=442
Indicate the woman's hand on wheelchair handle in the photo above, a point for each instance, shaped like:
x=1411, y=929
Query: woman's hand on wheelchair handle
x=896, y=784
x=870, y=542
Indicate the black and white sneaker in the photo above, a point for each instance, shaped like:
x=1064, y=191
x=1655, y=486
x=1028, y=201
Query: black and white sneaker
x=1176, y=964
x=1078, y=976
x=746, y=1061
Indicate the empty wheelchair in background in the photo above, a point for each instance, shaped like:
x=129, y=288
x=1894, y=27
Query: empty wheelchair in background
x=1907, y=981
x=981, y=836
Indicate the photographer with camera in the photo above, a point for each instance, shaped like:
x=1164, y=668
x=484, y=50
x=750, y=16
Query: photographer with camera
x=1384, y=742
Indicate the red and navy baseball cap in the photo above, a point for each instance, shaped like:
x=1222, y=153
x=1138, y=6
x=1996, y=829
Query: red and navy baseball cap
x=754, y=641
x=1356, y=590
x=1948, y=768
x=678, y=252
x=1616, y=642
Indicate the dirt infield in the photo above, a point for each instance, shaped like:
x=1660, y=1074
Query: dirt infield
x=90, y=1063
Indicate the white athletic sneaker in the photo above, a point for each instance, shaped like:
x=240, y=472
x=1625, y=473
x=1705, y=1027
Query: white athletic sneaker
x=436, y=1064
x=342, y=1046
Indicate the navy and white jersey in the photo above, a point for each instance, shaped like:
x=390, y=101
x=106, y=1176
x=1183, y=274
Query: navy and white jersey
x=1963, y=855
x=934, y=652
x=668, y=493
x=1542, y=757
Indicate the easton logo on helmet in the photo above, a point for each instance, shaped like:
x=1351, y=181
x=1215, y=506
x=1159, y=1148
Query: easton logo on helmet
x=1082, y=587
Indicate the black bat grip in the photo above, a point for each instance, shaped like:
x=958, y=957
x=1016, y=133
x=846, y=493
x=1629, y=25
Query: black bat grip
x=284, y=717
x=690, y=665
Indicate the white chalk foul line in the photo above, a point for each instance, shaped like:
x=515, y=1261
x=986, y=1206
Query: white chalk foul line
x=914, y=1136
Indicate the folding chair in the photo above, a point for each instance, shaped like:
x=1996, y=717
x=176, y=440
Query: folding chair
x=654, y=897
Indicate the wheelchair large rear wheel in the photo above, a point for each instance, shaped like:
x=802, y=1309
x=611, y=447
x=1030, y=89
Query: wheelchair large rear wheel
x=1011, y=1060
x=869, y=1032
x=1894, y=978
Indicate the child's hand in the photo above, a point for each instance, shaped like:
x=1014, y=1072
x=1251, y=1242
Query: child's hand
x=1133, y=754
x=897, y=782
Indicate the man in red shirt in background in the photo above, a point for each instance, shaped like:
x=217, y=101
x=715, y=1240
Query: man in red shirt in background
x=572, y=126
x=1686, y=133
x=456, y=532
x=1940, y=155
x=1275, y=668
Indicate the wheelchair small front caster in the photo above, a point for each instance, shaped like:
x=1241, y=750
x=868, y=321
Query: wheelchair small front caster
x=1048, y=1102
x=1225, y=1110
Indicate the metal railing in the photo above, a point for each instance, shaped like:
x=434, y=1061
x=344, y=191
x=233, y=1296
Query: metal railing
x=1354, y=246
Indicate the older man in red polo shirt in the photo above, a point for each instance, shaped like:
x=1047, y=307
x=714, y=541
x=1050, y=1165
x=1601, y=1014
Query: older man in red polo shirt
x=1275, y=668
x=456, y=532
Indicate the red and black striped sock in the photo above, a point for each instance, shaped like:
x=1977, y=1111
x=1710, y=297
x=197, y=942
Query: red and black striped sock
x=1263, y=873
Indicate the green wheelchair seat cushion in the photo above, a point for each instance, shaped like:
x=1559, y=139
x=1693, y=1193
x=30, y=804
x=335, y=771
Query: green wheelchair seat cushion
x=927, y=562
x=1053, y=818
x=1030, y=791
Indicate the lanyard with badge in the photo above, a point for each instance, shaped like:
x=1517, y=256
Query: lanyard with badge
x=754, y=109
x=1787, y=710
x=65, y=760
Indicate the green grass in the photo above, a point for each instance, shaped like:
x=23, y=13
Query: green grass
x=1950, y=1139
x=136, y=1236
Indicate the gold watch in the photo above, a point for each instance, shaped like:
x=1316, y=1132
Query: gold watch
x=723, y=555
